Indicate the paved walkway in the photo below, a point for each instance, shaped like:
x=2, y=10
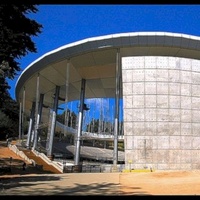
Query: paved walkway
x=102, y=184
x=61, y=184
x=32, y=182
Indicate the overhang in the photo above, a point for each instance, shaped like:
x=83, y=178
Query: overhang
x=94, y=59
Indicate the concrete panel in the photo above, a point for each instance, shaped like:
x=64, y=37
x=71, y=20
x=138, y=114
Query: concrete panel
x=195, y=166
x=131, y=156
x=137, y=62
x=162, y=75
x=185, y=64
x=138, y=88
x=163, y=142
x=127, y=75
x=174, y=75
x=162, y=62
x=162, y=115
x=195, y=129
x=186, y=102
x=186, y=115
x=138, y=115
x=130, y=142
x=162, y=156
x=150, y=62
x=128, y=102
x=186, y=129
x=138, y=75
x=195, y=78
x=196, y=145
x=195, y=157
x=186, y=89
x=138, y=128
x=150, y=114
x=175, y=156
x=186, y=157
x=127, y=90
x=173, y=62
x=162, y=101
x=174, y=88
x=141, y=156
x=174, y=142
x=162, y=88
x=162, y=128
x=174, y=115
x=150, y=75
x=128, y=114
x=150, y=128
x=195, y=65
x=150, y=88
x=174, y=128
x=185, y=76
x=195, y=90
x=195, y=102
x=174, y=101
x=128, y=128
x=186, y=166
x=163, y=166
x=138, y=101
x=196, y=116
x=149, y=156
x=174, y=166
x=140, y=166
x=150, y=101
x=186, y=142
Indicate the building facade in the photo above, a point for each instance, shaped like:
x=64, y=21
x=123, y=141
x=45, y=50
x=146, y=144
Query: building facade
x=161, y=97
x=158, y=77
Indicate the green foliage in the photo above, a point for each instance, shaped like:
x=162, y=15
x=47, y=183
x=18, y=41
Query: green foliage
x=68, y=118
x=7, y=126
x=16, y=35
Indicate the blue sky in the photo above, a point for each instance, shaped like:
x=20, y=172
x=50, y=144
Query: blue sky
x=66, y=23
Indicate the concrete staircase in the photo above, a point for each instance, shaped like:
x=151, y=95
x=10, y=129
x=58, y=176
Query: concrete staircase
x=40, y=163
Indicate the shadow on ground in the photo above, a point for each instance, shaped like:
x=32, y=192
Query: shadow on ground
x=50, y=185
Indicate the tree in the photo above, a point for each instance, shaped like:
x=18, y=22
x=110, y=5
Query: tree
x=15, y=35
x=15, y=42
x=71, y=118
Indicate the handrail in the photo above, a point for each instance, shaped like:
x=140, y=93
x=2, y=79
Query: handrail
x=85, y=134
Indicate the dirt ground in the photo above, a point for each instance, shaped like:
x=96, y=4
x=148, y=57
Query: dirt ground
x=161, y=183
x=30, y=182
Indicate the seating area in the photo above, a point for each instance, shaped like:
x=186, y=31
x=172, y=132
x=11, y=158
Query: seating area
x=64, y=150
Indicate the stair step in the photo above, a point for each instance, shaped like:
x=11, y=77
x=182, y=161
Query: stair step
x=40, y=162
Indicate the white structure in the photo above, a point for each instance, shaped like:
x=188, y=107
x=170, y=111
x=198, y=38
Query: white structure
x=158, y=77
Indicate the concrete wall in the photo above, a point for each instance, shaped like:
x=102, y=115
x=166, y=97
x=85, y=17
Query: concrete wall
x=161, y=97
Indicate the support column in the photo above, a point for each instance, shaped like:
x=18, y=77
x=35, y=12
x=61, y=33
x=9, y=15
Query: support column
x=105, y=144
x=53, y=123
x=38, y=120
x=66, y=120
x=36, y=108
x=116, y=122
x=20, y=120
x=30, y=128
x=80, y=122
x=23, y=111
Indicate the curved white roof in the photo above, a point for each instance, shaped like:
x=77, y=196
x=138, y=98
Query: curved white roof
x=94, y=59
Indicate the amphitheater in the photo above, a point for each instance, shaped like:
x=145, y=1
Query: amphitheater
x=156, y=74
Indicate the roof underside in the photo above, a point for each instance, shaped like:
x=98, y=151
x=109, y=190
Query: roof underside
x=94, y=59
